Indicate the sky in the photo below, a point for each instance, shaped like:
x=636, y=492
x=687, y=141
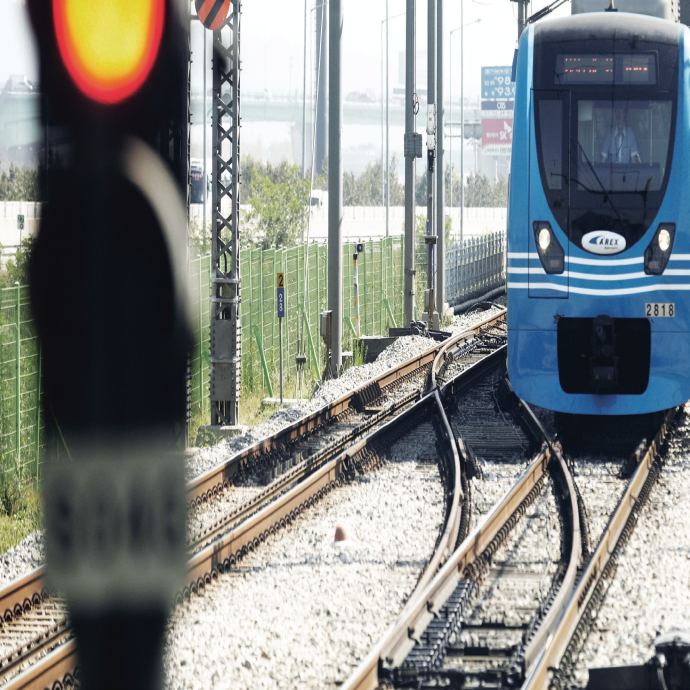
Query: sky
x=272, y=53
x=272, y=39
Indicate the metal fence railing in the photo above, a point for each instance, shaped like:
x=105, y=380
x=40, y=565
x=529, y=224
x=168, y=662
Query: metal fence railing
x=22, y=424
x=475, y=267
x=380, y=271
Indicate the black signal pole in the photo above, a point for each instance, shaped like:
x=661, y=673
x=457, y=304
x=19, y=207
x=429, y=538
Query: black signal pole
x=108, y=287
x=522, y=15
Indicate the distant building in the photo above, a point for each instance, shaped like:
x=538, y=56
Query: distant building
x=18, y=83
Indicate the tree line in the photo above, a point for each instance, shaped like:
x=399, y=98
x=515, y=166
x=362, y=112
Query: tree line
x=18, y=184
x=278, y=195
x=369, y=188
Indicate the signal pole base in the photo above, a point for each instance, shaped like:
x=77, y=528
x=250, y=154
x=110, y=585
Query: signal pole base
x=208, y=435
x=433, y=321
x=447, y=311
x=277, y=403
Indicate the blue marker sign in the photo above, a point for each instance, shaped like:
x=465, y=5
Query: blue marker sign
x=280, y=289
x=496, y=82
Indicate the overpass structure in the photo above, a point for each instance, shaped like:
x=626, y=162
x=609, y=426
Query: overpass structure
x=22, y=139
x=290, y=111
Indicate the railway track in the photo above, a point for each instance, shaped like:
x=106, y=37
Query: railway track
x=299, y=484
x=461, y=630
x=557, y=659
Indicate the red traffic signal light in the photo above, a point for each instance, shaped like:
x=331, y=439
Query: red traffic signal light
x=108, y=48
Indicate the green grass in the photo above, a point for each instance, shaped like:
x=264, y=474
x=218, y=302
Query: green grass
x=251, y=411
x=21, y=512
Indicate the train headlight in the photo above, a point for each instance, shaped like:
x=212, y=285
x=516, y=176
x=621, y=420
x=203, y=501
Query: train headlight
x=664, y=240
x=550, y=252
x=658, y=253
x=544, y=239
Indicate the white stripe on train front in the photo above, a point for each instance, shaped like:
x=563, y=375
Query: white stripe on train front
x=538, y=270
x=591, y=291
x=597, y=262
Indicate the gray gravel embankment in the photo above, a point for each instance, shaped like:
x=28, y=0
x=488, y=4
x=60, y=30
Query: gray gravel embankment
x=400, y=351
x=29, y=553
x=21, y=559
x=650, y=591
x=303, y=611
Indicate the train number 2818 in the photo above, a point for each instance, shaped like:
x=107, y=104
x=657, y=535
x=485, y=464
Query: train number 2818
x=659, y=309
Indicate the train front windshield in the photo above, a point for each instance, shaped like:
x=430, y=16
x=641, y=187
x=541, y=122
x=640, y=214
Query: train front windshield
x=604, y=138
x=621, y=147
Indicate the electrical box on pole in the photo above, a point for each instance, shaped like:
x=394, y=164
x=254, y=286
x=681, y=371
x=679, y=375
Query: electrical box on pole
x=431, y=135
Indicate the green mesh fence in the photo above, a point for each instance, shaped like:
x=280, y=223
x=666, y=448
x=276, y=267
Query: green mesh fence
x=22, y=427
x=380, y=270
x=199, y=271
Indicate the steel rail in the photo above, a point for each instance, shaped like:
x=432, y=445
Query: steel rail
x=203, y=486
x=52, y=668
x=27, y=590
x=573, y=610
x=402, y=636
x=294, y=474
x=205, y=565
x=58, y=634
x=546, y=626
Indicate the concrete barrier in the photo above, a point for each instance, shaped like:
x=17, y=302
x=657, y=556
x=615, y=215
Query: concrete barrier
x=369, y=222
x=359, y=222
x=10, y=234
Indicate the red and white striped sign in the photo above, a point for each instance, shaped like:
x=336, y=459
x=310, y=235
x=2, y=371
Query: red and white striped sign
x=212, y=13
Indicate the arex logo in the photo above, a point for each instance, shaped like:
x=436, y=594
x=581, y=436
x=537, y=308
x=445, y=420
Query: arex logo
x=603, y=242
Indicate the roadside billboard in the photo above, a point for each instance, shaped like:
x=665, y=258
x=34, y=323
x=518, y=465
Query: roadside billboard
x=497, y=136
x=496, y=82
x=498, y=109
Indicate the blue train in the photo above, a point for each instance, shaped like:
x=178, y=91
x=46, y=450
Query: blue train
x=599, y=215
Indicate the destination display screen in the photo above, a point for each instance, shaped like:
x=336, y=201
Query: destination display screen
x=619, y=69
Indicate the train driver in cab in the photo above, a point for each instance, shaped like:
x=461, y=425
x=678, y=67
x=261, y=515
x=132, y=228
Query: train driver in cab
x=620, y=145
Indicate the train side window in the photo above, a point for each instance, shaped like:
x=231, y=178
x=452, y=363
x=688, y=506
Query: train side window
x=551, y=141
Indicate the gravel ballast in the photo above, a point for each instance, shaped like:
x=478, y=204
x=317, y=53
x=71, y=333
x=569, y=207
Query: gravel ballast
x=21, y=559
x=517, y=583
x=29, y=553
x=303, y=611
x=649, y=594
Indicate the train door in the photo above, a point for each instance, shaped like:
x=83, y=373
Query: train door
x=547, y=241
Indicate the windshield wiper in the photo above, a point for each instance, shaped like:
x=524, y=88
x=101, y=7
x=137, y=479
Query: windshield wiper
x=607, y=195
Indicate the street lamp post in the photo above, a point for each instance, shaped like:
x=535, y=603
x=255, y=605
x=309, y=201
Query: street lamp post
x=384, y=149
x=304, y=94
x=462, y=114
x=203, y=167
